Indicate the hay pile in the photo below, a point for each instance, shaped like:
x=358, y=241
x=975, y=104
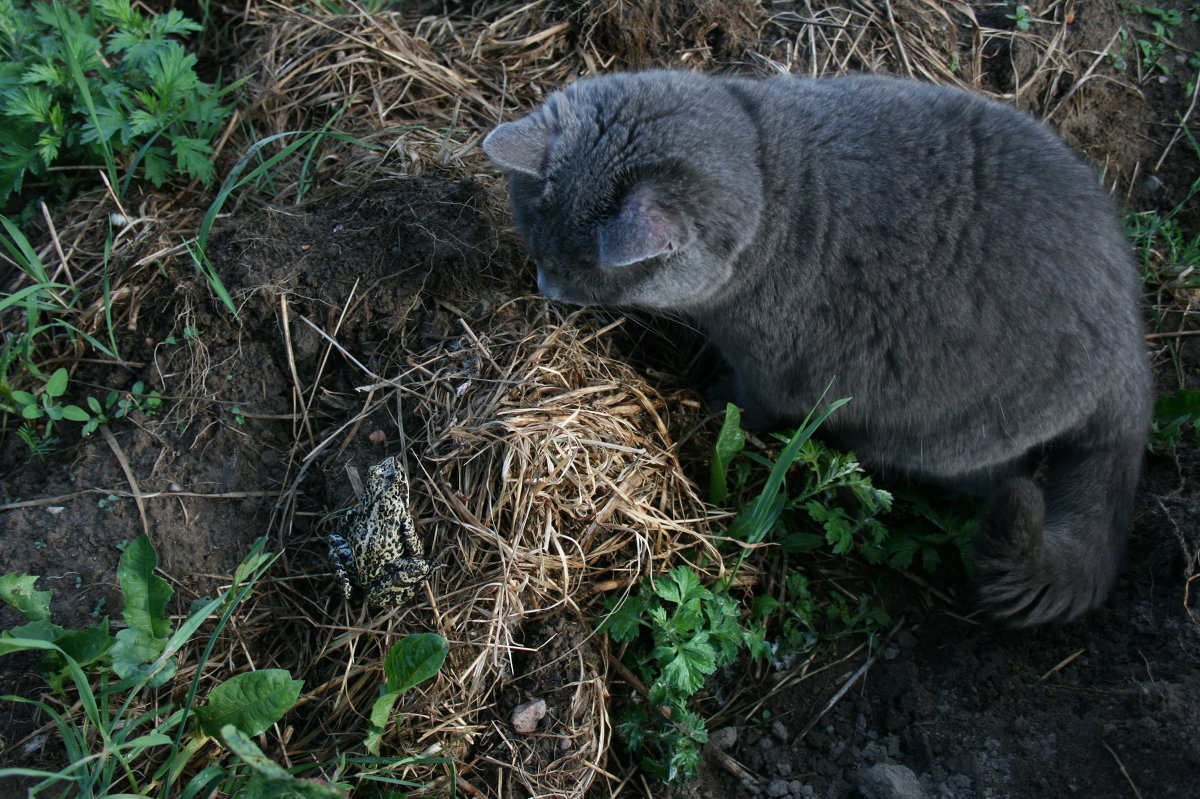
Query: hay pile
x=544, y=480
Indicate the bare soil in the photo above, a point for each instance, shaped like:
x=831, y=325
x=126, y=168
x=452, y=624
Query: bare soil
x=1108, y=706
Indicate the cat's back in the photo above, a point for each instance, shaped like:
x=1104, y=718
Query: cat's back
x=879, y=136
x=954, y=188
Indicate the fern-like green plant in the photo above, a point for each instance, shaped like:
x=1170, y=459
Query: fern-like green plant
x=101, y=84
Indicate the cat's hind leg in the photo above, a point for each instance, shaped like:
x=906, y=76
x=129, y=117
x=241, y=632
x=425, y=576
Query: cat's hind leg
x=1050, y=555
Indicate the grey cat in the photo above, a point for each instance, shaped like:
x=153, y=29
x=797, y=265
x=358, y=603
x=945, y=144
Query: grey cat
x=944, y=259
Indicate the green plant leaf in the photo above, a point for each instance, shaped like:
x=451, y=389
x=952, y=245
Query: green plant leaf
x=40, y=630
x=251, y=702
x=248, y=752
x=88, y=645
x=146, y=594
x=692, y=661
x=730, y=441
x=381, y=709
x=75, y=413
x=1171, y=413
x=269, y=780
x=622, y=622
x=17, y=590
x=414, y=659
x=136, y=656
x=56, y=386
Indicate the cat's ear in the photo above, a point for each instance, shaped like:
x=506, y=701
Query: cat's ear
x=520, y=146
x=642, y=229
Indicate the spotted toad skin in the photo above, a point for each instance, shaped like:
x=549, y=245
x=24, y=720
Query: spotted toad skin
x=376, y=546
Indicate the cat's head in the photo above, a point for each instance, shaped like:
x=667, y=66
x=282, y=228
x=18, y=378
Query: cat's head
x=633, y=189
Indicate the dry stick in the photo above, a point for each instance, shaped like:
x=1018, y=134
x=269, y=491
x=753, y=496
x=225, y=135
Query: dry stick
x=133, y=484
x=333, y=342
x=899, y=42
x=35, y=503
x=1085, y=77
x=1180, y=128
x=837, y=697
x=62, y=258
x=1062, y=663
x=1175, y=334
x=1121, y=766
x=291, y=360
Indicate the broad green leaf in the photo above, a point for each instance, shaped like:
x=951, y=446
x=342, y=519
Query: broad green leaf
x=799, y=541
x=270, y=780
x=753, y=522
x=89, y=644
x=251, y=702
x=17, y=590
x=730, y=441
x=146, y=594
x=40, y=630
x=136, y=656
x=380, y=710
x=414, y=659
x=56, y=386
x=241, y=745
x=75, y=413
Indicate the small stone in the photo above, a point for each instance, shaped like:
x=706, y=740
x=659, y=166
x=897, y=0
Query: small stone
x=889, y=781
x=723, y=738
x=778, y=788
x=780, y=731
x=525, y=717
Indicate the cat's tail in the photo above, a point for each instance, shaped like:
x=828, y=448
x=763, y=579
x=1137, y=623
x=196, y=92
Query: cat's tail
x=1043, y=557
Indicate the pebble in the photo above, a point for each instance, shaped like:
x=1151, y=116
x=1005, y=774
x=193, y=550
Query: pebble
x=723, y=738
x=889, y=781
x=525, y=717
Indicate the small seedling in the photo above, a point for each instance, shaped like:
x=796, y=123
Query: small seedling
x=108, y=503
x=1172, y=413
x=412, y=660
x=1022, y=18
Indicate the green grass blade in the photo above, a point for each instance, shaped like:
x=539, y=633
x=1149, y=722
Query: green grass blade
x=81, y=83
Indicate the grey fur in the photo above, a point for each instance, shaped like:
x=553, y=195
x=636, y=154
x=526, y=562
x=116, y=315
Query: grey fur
x=943, y=258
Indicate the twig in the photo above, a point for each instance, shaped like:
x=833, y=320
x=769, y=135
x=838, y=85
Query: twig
x=1178, y=129
x=1062, y=663
x=35, y=503
x=1175, y=334
x=133, y=484
x=846, y=686
x=1121, y=766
